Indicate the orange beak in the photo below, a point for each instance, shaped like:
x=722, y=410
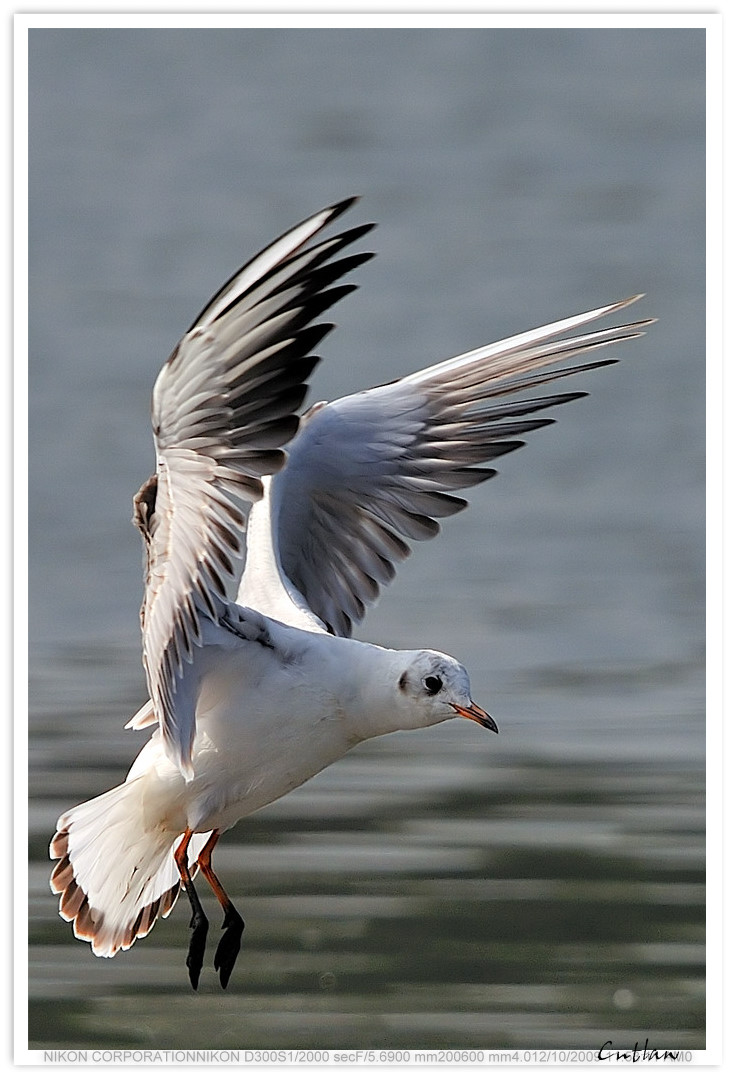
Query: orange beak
x=476, y=713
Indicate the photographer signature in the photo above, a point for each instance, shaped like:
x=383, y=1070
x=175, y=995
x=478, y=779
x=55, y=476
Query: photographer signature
x=638, y=1053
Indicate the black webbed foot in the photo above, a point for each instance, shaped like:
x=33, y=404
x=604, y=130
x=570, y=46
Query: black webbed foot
x=228, y=947
x=197, y=946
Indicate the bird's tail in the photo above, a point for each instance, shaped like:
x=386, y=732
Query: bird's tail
x=116, y=872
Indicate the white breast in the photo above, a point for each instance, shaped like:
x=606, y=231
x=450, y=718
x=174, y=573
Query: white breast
x=267, y=720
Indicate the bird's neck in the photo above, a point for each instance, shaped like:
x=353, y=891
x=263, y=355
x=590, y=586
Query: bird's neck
x=368, y=688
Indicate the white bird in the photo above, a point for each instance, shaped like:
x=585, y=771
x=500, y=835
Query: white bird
x=252, y=697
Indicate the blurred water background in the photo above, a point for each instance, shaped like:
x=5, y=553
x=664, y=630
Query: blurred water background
x=447, y=887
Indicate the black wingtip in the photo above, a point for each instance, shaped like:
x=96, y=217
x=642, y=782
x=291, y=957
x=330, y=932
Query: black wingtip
x=359, y=231
x=596, y=365
x=339, y=208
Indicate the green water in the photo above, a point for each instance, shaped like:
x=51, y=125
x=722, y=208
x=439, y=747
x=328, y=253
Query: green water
x=529, y=904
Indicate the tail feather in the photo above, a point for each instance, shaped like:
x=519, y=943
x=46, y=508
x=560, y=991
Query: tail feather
x=116, y=874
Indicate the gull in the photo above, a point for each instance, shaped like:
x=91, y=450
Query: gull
x=252, y=695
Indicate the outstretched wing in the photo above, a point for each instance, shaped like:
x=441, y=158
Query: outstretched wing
x=224, y=404
x=368, y=473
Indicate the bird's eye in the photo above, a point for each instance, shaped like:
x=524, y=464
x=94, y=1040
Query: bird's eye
x=432, y=684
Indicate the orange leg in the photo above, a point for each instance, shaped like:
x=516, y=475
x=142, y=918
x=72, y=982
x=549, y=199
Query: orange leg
x=199, y=922
x=233, y=925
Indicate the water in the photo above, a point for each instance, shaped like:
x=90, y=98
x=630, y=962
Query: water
x=441, y=888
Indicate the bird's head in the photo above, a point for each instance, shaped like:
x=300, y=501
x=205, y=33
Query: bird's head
x=432, y=687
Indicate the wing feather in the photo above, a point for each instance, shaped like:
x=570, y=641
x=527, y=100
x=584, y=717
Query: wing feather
x=224, y=406
x=371, y=472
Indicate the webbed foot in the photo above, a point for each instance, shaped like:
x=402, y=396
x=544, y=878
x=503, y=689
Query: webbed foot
x=197, y=947
x=229, y=946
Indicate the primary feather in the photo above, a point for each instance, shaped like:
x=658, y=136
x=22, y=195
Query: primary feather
x=224, y=404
